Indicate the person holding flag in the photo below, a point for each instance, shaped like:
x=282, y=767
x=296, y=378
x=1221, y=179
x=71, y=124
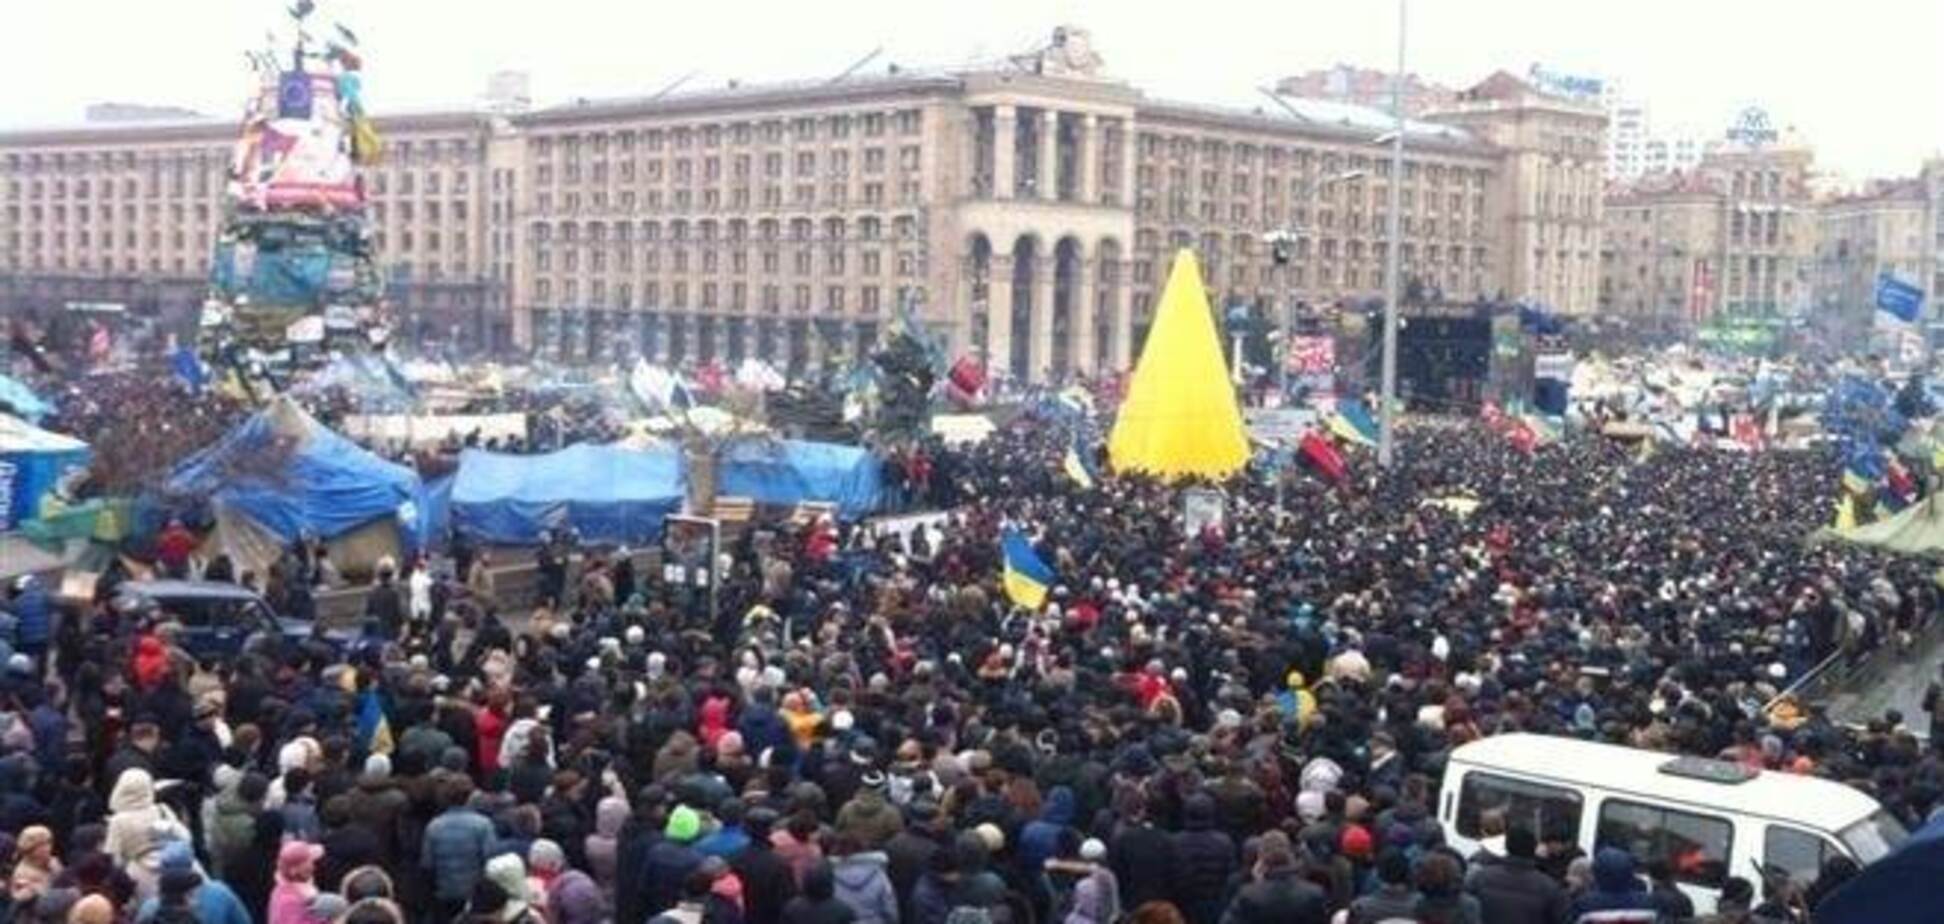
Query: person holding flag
x=1079, y=465
x=1027, y=578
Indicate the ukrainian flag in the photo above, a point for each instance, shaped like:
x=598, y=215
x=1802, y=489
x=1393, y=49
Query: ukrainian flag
x=1352, y=422
x=1027, y=578
x=1079, y=467
x=374, y=730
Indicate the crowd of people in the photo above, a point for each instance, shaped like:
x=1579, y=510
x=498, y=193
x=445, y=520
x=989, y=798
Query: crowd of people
x=1247, y=725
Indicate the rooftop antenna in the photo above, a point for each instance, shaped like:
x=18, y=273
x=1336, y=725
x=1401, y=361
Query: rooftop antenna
x=845, y=74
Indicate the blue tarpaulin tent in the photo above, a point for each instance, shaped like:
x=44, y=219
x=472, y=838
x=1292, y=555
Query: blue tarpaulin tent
x=18, y=399
x=788, y=472
x=607, y=493
x=285, y=473
x=1897, y=889
x=32, y=461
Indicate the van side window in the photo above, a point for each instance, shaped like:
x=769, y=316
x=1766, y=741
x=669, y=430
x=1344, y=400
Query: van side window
x=1535, y=806
x=1798, y=853
x=1695, y=846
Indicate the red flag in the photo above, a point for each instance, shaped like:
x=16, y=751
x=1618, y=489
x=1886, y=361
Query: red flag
x=1522, y=437
x=1747, y=432
x=1324, y=458
x=968, y=375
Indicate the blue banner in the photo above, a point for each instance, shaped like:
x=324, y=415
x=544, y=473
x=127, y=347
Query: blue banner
x=1901, y=299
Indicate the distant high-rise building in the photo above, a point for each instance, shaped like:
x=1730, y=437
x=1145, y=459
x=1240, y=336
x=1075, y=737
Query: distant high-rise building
x=1364, y=86
x=1636, y=148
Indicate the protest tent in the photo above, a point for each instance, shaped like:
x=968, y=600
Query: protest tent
x=18, y=399
x=1915, y=530
x=789, y=472
x=609, y=494
x=1180, y=416
x=32, y=461
x=281, y=474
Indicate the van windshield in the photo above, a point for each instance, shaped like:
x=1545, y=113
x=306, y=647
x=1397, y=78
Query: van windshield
x=1874, y=836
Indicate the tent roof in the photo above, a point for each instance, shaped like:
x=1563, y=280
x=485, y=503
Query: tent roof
x=1180, y=417
x=1915, y=530
x=17, y=435
x=289, y=473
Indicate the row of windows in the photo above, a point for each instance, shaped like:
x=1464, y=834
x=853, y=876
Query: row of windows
x=709, y=296
x=739, y=167
x=799, y=130
x=1244, y=155
x=202, y=183
x=868, y=227
x=802, y=195
x=68, y=161
x=802, y=261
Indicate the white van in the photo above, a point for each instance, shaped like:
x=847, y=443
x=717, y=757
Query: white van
x=1708, y=819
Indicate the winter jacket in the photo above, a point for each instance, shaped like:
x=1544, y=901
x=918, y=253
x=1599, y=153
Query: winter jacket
x=1281, y=896
x=232, y=829
x=1144, y=862
x=137, y=828
x=1617, y=895
x=1204, y=861
x=574, y=898
x=869, y=818
x=768, y=882
x=863, y=884
x=377, y=806
x=455, y=849
x=609, y=815
x=1513, y=890
x=1039, y=840
x=35, y=615
x=668, y=865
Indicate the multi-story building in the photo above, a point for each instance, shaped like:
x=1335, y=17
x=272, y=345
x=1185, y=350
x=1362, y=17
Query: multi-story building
x=1733, y=238
x=1027, y=213
x=1547, y=205
x=1627, y=138
x=1883, y=230
x=1368, y=87
x=125, y=215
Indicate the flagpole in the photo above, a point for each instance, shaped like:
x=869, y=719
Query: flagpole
x=1387, y=438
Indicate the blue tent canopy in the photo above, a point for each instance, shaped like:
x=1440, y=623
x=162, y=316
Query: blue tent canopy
x=288, y=473
x=788, y=472
x=32, y=461
x=607, y=493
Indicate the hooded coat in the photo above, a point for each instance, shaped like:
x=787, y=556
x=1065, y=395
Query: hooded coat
x=609, y=817
x=138, y=826
x=1204, y=861
x=1039, y=840
x=869, y=818
x=863, y=884
x=1618, y=896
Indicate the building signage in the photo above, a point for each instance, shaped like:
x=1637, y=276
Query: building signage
x=1753, y=128
x=1568, y=85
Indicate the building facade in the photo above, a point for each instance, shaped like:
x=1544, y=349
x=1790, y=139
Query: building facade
x=124, y=215
x=1026, y=213
x=1547, y=207
x=1885, y=230
x=1733, y=239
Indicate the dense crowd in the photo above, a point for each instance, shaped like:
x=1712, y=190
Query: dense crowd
x=1244, y=726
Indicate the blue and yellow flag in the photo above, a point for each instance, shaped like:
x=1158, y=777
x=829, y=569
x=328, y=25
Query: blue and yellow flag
x=374, y=730
x=1079, y=466
x=1352, y=422
x=1027, y=578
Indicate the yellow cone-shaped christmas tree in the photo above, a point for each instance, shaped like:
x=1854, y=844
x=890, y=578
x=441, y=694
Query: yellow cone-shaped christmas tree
x=1179, y=417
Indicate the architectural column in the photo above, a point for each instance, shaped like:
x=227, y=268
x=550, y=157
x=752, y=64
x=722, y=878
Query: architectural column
x=1049, y=155
x=999, y=312
x=1123, y=335
x=1082, y=320
x=1126, y=172
x=1040, y=355
x=964, y=312
x=1005, y=150
x=1087, y=150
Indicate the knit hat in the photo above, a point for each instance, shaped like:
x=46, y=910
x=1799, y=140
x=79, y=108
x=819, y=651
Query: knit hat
x=994, y=838
x=684, y=825
x=1092, y=850
x=295, y=855
x=377, y=768
x=509, y=872
x=546, y=855
x=1356, y=843
x=176, y=855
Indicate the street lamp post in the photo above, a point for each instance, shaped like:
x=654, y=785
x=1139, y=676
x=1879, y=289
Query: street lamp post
x=1387, y=423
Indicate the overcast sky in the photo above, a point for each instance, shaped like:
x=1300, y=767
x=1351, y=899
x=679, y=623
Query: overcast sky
x=1862, y=79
